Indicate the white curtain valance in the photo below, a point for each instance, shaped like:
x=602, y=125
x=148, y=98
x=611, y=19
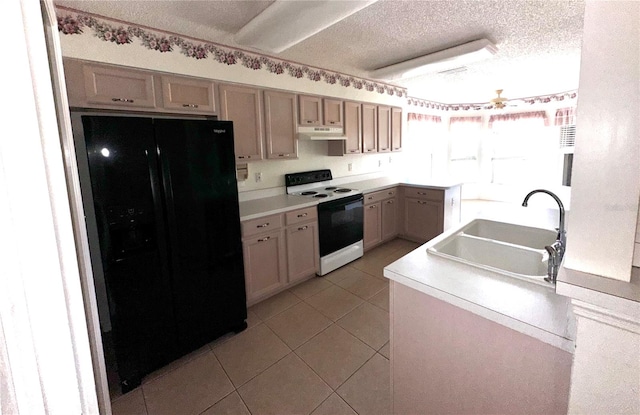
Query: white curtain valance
x=507, y=118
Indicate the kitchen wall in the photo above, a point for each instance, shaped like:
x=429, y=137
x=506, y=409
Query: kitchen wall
x=312, y=155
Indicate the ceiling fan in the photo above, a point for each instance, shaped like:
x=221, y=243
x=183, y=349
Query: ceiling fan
x=499, y=102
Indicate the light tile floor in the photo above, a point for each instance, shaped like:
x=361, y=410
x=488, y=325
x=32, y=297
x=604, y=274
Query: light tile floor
x=321, y=347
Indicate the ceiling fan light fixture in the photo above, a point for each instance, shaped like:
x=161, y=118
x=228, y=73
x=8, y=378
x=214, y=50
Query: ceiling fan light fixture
x=286, y=23
x=442, y=61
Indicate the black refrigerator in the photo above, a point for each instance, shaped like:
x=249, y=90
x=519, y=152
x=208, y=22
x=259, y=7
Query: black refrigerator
x=164, y=207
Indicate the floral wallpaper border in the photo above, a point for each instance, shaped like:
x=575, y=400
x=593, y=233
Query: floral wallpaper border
x=543, y=99
x=78, y=23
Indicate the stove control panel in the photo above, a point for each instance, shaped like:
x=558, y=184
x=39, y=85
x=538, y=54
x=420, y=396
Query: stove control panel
x=297, y=179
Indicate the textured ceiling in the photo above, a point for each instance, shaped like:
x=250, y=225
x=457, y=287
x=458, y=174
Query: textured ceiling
x=538, y=41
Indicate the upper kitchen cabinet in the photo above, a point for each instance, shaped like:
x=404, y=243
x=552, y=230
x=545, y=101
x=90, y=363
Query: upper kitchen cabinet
x=280, y=125
x=243, y=106
x=315, y=111
x=188, y=95
x=396, y=129
x=384, y=129
x=102, y=86
x=310, y=110
x=333, y=112
x=352, y=129
x=369, y=128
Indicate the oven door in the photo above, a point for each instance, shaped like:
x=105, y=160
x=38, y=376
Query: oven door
x=340, y=223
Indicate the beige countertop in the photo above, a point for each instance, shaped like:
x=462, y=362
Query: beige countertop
x=252, y=209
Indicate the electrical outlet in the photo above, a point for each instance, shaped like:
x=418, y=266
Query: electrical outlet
x=350, y=166
x=390, y=159
x=379, y=163
x=258, y=177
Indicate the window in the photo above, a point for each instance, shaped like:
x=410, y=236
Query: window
x=524, y=149
x=464, y=143
x=422, y=147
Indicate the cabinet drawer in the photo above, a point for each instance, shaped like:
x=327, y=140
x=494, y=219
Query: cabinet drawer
x=379, y=195
x=430, y=194
x=301, y=215
x=256, y=226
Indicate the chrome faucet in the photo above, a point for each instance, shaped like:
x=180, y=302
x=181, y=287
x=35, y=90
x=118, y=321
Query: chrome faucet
x=555, y=250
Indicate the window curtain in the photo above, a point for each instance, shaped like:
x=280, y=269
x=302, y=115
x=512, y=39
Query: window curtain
x=412, y=116
x=565, y=116
x=519, y=116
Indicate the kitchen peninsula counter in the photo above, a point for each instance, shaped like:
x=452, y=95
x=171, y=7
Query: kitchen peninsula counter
x=466, y=340
x=526, y=307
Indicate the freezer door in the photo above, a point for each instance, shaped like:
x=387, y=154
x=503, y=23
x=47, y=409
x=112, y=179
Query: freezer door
x=197, y=165
x=120, y=152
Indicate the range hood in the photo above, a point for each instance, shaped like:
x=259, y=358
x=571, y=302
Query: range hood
x=321, y=133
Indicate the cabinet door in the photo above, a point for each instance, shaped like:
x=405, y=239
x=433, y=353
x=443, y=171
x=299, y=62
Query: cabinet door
x=310, y=110
x=384, y=129
x=369, y=128
x=194, y=95
x=333, y=110
x=372, y=225
x=120, y=87
x=280, y=125
x=396, y=129
x=423, y=219
x=243, y=106
x=389, y=219
x=264, y=264
x=353, y=127
x=302, y=250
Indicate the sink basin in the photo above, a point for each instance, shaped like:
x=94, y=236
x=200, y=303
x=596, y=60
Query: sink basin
x=509, y=249
x=514, y=234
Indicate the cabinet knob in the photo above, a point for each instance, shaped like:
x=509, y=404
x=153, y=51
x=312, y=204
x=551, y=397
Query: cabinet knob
x=373, y=206
x=121, y=100
x=309, y=122
x=389, y=202
x=302, y=215
x=264, y=239
x=264, y=225
x=302, y=228
x=422, y=193
x=421, y=202
x=190, y=105
x=370, y=198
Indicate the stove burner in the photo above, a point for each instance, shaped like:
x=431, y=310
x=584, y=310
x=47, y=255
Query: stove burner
x=330, y=188
x=342, y=190
x=320, y=195
x=309, y=193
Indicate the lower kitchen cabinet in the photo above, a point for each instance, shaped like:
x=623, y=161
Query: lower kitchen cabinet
x=422, y=219
x=279, y=251
x=265, y=267
x=389, y=219
x=372, y=225
x=427, y=212
x=302, y=250
x=380, y=217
